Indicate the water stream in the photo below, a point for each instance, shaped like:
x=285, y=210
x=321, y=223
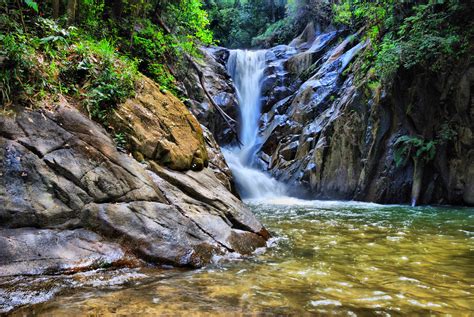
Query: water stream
x=247, y=69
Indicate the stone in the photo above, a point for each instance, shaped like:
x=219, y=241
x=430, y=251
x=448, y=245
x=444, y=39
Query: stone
x=347, y=133
x=45, y=251
x=176, y=137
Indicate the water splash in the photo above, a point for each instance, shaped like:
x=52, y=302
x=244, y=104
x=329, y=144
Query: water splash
x=247, y=69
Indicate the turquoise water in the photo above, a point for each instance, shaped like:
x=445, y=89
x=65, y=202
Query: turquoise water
x=326, y=257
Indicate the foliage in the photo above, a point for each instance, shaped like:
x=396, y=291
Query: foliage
x=277, y=32
x=150, y=45
x=32, y=5
x=120, y=140
x=59, y=60
x=427, y=38
x=108, y=78
x=421, y=149
x=16, y=71
x=237, y=23
x=427, y=34
x=95, y=55
x=415, y=147
x=387, y=61
x=372, y=14
x=189, y=19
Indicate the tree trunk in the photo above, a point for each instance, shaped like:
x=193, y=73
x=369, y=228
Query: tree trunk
x=417, y=181
x=55, y=9
x=113, y=9
x=20, y=9
x=71, y=11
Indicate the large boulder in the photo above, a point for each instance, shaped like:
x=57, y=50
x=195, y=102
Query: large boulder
x=92, y=205
x=160, y=127
x=218, y=85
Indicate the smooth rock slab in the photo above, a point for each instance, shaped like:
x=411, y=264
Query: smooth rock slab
x=41, y=251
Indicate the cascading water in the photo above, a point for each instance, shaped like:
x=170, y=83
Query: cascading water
x=246, y=69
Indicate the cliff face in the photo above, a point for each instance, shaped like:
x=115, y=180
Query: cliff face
x=69, y=200
x=330, y=136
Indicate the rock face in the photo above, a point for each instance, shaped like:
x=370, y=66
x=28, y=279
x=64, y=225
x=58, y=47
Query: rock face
x=65, y=185
x=334, y=138
x=327, y=135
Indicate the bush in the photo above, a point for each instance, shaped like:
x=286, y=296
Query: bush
x=62, y=61
x=106, y=78
x=427, y=38
x=387, y=61
x=16, y=67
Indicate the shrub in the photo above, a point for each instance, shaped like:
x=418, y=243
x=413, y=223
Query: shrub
x=387, y=61
x=17, y=71
x=106, y=78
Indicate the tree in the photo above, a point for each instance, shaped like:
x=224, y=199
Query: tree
x=56, y=6
x=71, y=11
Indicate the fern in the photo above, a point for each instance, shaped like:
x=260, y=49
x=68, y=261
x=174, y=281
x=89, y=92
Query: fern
x=32, y=5
x=412, y=146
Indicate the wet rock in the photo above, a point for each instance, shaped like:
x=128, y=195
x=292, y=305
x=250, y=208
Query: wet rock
x=289, y=151
x=304, y=40
x=219, y=85
x=217, y=162
x=347, y=131
x=41, y=251
x=300, y=62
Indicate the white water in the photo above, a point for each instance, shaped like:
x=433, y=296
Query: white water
x=246, y=69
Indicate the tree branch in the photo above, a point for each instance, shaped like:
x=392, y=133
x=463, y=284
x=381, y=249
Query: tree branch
x=228, y=120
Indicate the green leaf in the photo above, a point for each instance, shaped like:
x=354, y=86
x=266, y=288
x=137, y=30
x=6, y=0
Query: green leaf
x=32, y=5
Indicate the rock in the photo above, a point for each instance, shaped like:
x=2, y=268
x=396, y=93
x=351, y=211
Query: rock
x=217, y=162
x=305, y=38
x=300, y=62
x=45, y=251
x=347, y=131
x=468, y=195
x=176, y=137
x=289, y=151
x=96, y=206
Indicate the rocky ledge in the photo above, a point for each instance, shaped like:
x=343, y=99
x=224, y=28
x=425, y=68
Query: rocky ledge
x=70, y=200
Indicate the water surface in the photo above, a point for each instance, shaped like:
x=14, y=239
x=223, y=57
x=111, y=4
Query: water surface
x=349, y=259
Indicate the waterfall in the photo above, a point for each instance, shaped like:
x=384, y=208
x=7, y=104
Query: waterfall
x=246, y=69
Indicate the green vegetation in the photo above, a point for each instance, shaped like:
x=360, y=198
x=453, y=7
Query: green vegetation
x=92, y=50
x=415, y=147
x=253, y=23
x=236, y=23
x=421, y=149
x=428, y=34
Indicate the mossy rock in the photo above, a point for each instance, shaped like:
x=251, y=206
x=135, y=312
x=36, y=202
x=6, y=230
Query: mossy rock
x=161, y=128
